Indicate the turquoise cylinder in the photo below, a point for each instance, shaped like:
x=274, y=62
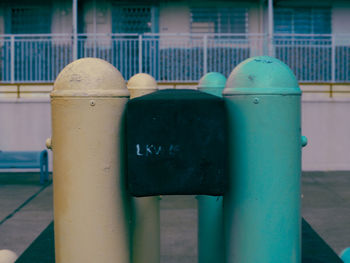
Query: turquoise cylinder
x=210, y=208
x=345, y=255
x=262, y=218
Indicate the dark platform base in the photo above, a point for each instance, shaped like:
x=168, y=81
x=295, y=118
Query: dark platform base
x=314, y=248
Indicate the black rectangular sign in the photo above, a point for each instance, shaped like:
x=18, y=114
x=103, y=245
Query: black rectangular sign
x=176, y=144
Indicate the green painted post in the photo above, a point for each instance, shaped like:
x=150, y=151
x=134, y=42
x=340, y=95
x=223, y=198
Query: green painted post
x=210, y=208
x=212, y=83
x=345, y=255
x=262, y=206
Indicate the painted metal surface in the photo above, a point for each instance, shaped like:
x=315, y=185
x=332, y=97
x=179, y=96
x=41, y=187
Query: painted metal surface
x=210, y=208
x=90, y=203
x=345, y=255
x=212, y=83
x=262, y=206
x=145, y=210
x=210, y=229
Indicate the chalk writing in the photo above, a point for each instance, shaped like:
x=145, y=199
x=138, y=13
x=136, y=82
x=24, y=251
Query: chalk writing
x=157, y=150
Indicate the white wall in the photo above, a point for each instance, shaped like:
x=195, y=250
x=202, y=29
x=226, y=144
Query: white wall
x=174, y=17
x=340, y=21
x=99, y=14
x=61, y=17
x=25, y=124
x=326, y=123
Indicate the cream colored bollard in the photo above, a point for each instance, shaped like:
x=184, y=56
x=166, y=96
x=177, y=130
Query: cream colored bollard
x=90, y=200
x=7, y=256
x=145, y=216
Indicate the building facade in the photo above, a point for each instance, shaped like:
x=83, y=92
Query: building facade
x=175, y=41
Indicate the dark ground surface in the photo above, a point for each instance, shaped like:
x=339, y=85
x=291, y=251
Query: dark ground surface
x=26, y=211
x=314, y=248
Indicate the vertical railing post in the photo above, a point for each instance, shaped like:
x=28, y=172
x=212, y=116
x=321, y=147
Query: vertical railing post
x=75, y=29
x=140, y=53
x=94, y=28
x=333, y=59
x=75, y=47
x=205, y=54
x=12, y=60
x=270, y=46
x=270, y=28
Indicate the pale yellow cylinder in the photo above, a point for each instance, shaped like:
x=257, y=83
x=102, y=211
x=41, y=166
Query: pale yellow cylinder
x=145, y=216
x=91, y=211
x=7, y=256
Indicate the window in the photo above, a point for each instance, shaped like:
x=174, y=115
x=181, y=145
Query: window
x=303, y=20
x=308, y=53
x=30, y=20
x=219, y=20
x=133, y=19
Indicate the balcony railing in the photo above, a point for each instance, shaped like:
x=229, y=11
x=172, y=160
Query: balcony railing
x=173, y=57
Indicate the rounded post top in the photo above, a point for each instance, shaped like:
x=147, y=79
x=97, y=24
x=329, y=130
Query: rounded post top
x=142, y=81
x=345, y=255
x=212, y=80
x=141, y=84
x=7, y=256
x=212, y=83
x=262, y=75
x=88, y=77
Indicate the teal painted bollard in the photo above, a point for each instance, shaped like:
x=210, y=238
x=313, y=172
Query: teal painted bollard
x=262, y=206
x=345, y=255
x=210, y=208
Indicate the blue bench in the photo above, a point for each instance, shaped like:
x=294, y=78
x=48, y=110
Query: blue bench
x=22, y=160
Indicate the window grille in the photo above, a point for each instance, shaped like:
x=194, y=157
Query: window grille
x=303, y=41
x=30, y=20
x=303, y=20
x=132, y=19
x=219, y=20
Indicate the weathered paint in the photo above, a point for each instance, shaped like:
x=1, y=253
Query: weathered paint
x=210, y=208
x=145, y=215
x=262, y=206
x=90, y=201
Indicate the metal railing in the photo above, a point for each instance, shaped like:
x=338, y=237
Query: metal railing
x=174, y=57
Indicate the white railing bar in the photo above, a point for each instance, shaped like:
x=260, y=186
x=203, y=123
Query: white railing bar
x=207, y=34
x=108, y=34
x=75, y=28
x=36, y=35
x=333, y=61
x=205, y=54
x=174, y=34
x=140, y=53
x=303, y=35
x=37, y=60
x=66, y=35
x=12, y=52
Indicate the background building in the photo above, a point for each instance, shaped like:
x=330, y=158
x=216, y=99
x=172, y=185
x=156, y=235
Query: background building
x=174, y=40
x=177, y=42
